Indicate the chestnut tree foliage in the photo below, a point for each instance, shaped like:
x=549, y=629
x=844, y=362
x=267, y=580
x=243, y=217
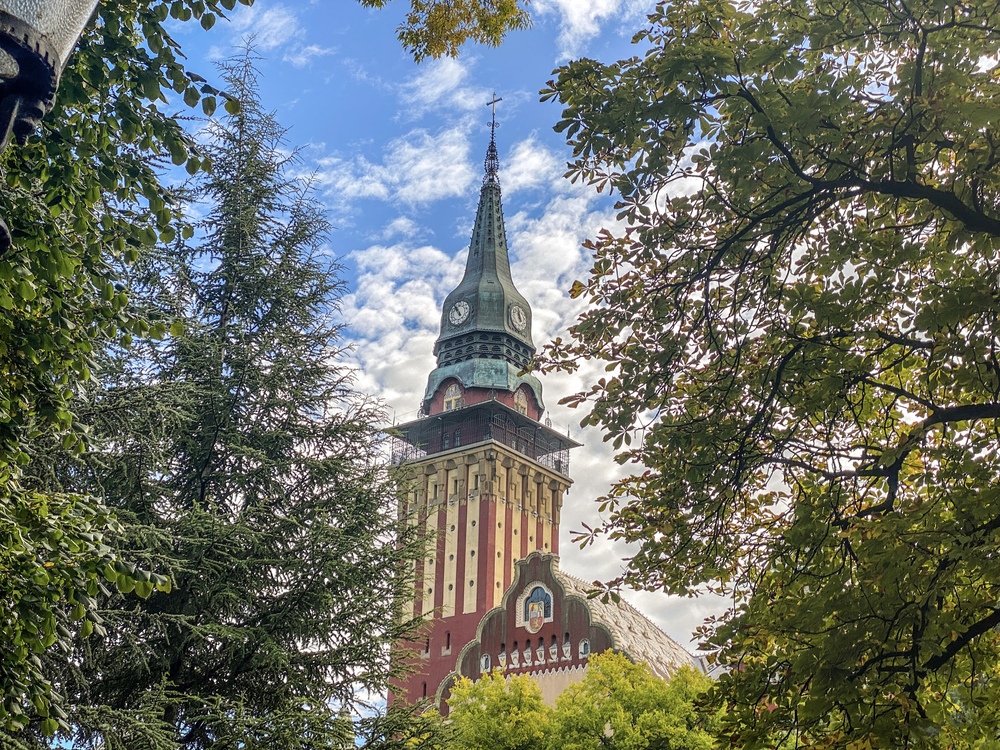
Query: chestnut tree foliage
x=799, y=315
x=83, y=199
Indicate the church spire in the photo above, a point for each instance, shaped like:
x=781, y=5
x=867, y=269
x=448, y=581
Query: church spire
x=485, y=321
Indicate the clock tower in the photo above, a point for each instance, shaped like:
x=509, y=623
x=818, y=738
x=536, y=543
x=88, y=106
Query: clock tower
x=487, y=475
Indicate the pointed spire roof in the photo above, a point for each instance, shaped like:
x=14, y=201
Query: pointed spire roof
x=486, y=321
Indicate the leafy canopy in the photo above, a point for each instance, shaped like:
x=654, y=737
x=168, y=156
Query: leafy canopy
x=439, y=27
x=617, y=704
x=83, y=199
x=623, y=706
x=80, y=199
x=800, y=323
x=497, y=713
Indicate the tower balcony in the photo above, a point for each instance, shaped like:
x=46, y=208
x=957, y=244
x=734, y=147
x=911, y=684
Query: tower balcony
x=478, y=423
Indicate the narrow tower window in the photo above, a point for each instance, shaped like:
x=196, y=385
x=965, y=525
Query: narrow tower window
x=521, y=402
x=452, y=397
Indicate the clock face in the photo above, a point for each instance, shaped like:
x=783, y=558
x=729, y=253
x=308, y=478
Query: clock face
x=458, y=313
x=518, y=318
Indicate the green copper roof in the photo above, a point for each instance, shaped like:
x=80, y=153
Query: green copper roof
x=486, y=301
x=485, y=340
x=493, y=374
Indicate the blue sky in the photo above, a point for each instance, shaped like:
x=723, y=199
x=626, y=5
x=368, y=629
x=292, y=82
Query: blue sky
x=397, y=151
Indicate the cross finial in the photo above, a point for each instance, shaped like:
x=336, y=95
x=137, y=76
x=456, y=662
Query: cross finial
x=493, y=123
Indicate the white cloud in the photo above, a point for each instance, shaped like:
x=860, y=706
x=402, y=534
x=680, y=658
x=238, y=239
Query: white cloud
x=346, y=181
x=401, y=226
x=435, y=81
x=530, y=165
x=418, y=168
x=300, y=56
x=582, y=20
x=441, y=83
x=270, y=28
x=276, y=28
x=399, y=291
x=394, y=314
x=433, y=167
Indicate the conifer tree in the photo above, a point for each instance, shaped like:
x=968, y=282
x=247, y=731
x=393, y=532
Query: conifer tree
x=81, y=198
x=243, y=465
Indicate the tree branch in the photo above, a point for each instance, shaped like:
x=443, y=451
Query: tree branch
x=973, y=632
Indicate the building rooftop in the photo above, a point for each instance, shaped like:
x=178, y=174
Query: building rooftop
x=633, y=632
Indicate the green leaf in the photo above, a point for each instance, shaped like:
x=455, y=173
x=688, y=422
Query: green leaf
x=143, y=589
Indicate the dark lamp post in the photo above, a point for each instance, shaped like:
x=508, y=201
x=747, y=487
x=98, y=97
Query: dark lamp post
x=36, y=38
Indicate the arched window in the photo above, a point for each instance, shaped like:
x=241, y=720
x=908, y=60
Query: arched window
x=521, y=402
x=484, y=663
x=584, y=648
x=452, y=397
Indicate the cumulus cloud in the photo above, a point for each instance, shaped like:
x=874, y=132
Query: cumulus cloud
x=394, y=314
x=582, y=20
x=401, y=226
x=418, y=168
x=441, y=83
x=530, y=165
